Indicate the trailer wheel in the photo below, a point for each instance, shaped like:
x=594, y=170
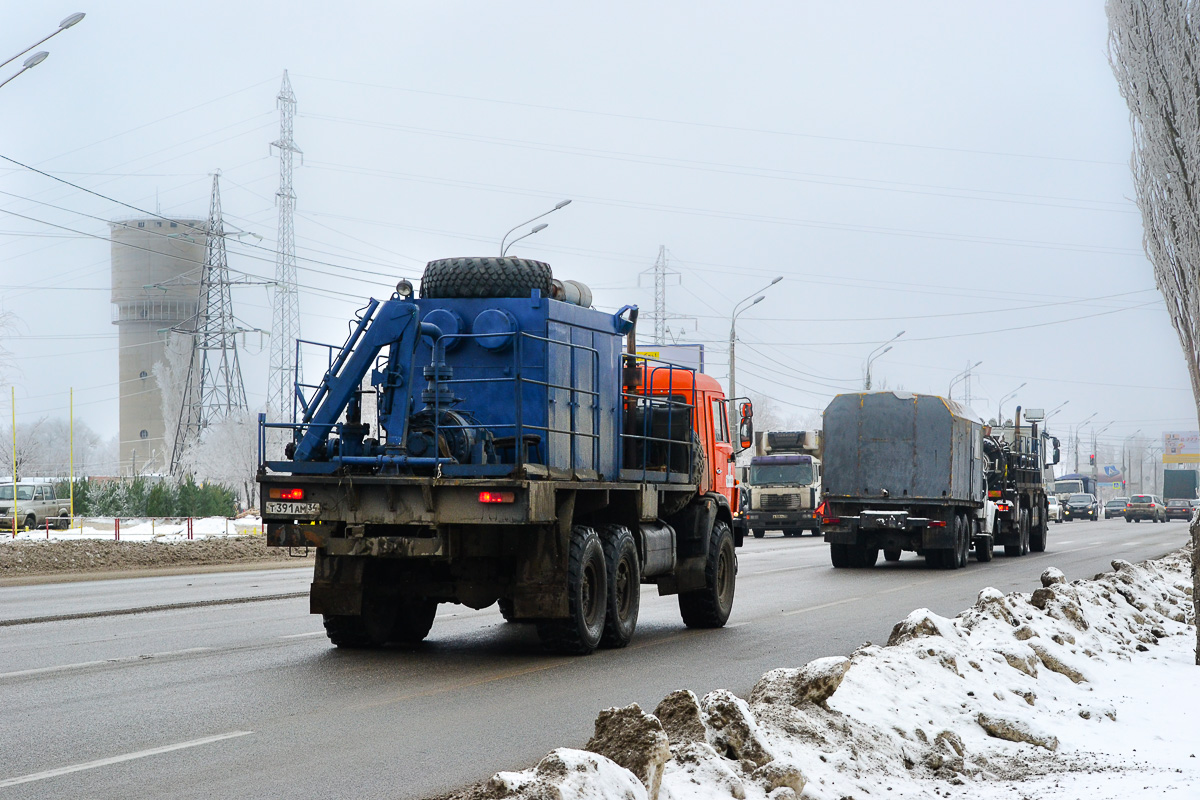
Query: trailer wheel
x=1037, y=537
x=890, y=554
x=1022, y=546
x=710, y=607
x=842, y=555
x=759, y=533
x=485, y=277
x=587, y=590
x=624, y=585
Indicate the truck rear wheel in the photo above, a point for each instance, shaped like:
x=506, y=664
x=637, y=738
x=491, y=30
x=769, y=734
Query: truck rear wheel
x=587, y=592
x=865, y=556
x=711, y=606
x=759, y=533
x=414, y=618
x=842, y=555
x=984, y=545
x=624, y=596
x=962, y=541
x=891, y=555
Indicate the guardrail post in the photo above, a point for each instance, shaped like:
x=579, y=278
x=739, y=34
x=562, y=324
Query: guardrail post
x=116, y=529
x=189, y=527
x=47, y=527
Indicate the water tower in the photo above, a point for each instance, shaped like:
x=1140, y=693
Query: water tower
x=147, y=252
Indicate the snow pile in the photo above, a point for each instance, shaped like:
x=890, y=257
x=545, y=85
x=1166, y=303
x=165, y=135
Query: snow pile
x=143, y=530
x=1047, y=694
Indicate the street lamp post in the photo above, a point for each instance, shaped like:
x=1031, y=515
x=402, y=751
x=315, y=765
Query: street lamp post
x=536, y=229
x=41, y=55
x=62, y=26
x=1075, y=438
x=561, y=204
x=29, y=64
x=959, y=377
x=1095, y=455
x=1125, y=463
x=1000, y=405
x=874, y=354
x=737, y=309
x=1056, y=410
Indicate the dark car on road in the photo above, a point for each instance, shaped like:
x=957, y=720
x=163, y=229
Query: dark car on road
x=1179, y=509
x=1082, y=506
x=1145, y=506
x=1115, y=508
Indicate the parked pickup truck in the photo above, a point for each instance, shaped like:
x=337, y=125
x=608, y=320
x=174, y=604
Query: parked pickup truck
x=35, y=503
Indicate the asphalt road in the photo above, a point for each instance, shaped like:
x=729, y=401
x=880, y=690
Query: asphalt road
x=250, y=700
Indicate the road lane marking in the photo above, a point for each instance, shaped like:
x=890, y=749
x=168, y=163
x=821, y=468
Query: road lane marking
x=106, y=662
x=302, y=635
x=117, y=612
x=104, y=762
x=906, y=586
x=818, y=608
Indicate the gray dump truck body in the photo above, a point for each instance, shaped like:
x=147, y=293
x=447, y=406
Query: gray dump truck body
x=902, y=472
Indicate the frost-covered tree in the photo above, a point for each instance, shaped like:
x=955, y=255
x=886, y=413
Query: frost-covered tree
x=1154, y=49
x=227, y=453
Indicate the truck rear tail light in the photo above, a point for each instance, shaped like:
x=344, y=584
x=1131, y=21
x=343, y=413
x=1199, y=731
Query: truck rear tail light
x=831, y=520
x=937, y=523
x=994, y=493
x=497, y=497
x=286, y=494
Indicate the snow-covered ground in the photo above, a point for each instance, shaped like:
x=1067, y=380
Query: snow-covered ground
x=1077, y=690
x=143, y=530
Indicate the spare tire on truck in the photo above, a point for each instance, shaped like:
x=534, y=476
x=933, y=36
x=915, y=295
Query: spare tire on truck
x=485, y=277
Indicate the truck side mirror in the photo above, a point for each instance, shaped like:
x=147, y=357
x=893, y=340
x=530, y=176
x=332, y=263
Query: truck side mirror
x=1057, y=455
x=746, y=432
x=747, y=411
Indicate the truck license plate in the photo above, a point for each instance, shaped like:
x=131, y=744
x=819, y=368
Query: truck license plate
x=294, y=509
x=779, y=516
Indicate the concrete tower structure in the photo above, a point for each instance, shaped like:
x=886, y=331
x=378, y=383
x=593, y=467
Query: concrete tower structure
x=147, y=251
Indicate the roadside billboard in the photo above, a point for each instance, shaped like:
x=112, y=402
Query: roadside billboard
x=1181, y=447
x=684, y=355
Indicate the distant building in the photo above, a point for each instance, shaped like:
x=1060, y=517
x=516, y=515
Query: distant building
x=147, y=252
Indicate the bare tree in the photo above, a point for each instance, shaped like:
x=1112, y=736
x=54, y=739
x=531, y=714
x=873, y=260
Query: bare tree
x=1154, y=49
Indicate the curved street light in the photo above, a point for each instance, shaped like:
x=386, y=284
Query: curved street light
x=960, y=376
x=737, y=309
x=874, y=354
x=1005, y=399
x=62, y=26
x=30, y=63
x=536, y=229
x=560, y=204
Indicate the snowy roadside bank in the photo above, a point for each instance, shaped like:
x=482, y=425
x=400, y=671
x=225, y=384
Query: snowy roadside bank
x=145, y=547
x=1077, y=690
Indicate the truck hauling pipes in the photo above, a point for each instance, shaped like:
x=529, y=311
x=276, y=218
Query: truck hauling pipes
x=517, y=455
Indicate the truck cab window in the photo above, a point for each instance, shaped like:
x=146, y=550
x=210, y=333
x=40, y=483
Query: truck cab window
x=720, y=421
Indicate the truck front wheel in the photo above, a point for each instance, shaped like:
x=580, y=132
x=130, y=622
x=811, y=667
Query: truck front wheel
x=624, y=586
x=711, y=606
x=587, y=592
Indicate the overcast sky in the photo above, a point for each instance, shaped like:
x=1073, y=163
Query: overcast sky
x=956, y=171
